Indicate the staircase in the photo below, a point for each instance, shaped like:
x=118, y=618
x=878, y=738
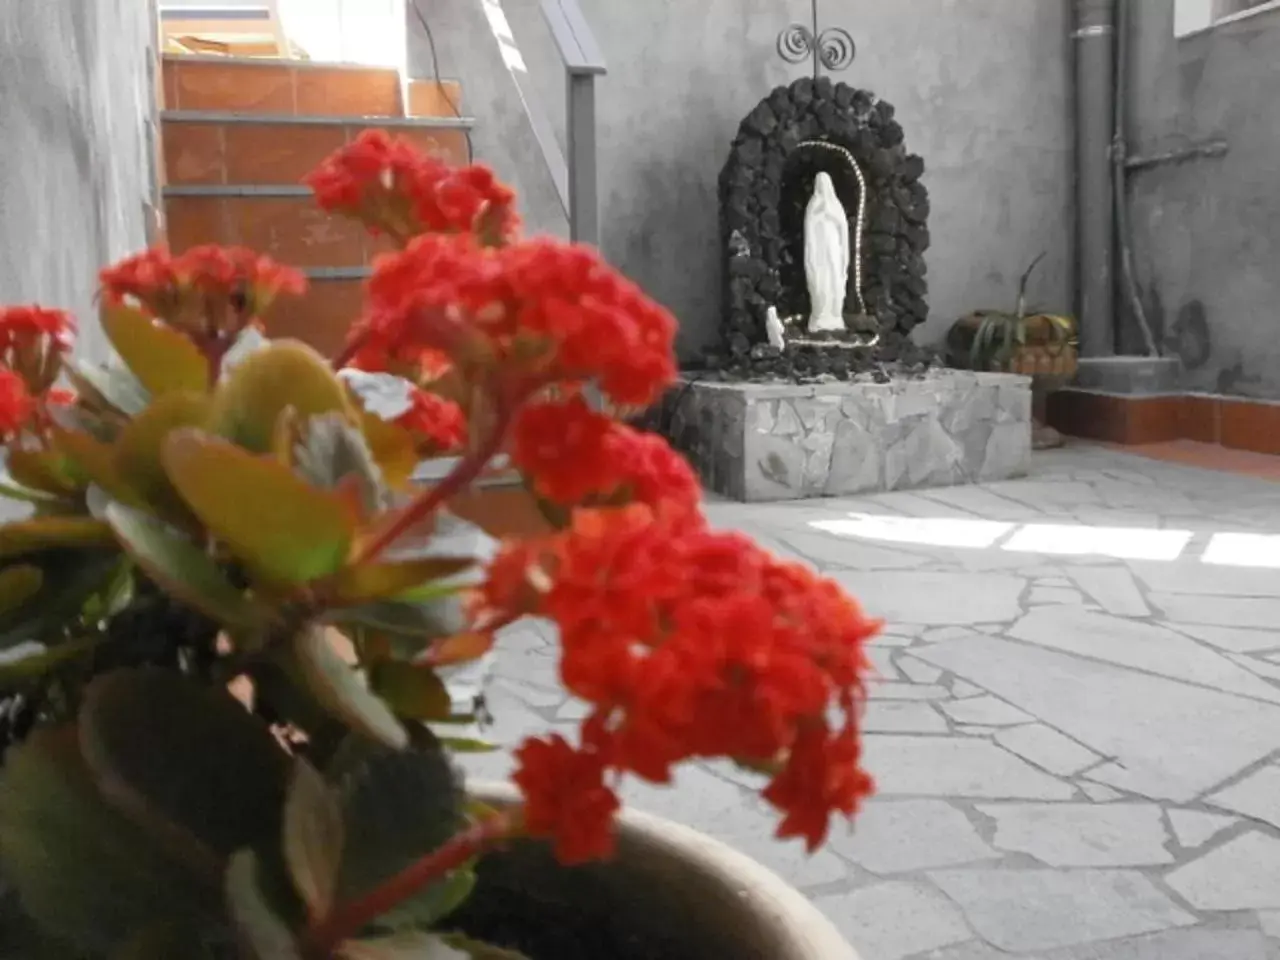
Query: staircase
x=238, y=135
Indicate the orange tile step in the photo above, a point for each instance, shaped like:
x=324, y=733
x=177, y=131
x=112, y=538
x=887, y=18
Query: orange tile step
x=220, y=148
x=321, y=316
x=300, y=88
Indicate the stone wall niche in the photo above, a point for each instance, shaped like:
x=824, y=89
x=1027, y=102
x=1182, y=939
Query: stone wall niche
x=791, y=135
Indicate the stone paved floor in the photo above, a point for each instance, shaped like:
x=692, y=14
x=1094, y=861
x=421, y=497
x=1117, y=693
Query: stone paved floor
x=1077, y=730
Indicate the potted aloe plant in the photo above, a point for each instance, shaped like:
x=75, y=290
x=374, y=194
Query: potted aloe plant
x=228, y=614
x=1025, y=340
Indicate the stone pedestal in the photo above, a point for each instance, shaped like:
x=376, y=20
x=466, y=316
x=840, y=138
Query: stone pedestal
x=767, y=441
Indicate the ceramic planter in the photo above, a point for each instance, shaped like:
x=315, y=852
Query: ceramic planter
x=672, y=893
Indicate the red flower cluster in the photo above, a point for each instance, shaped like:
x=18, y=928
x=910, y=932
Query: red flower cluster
x=33, y=343
x=534, y=313
x=688, y=643
x=393, y=188
x=575, y=455
x=439, y=422
x=208, y=291
x=17, y=406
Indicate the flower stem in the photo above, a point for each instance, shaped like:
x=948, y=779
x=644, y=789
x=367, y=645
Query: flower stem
x=348, y=919
x=469, y=468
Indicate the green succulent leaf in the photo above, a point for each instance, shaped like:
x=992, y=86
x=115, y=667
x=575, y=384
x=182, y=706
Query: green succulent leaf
x=341, y=690
x=368, y=582
x=181, y=568
x=22, y=537
x=469, y=745
x=284, y=375
x=185, y=759
x=267, y=935
x=398, y=807
x=83, y=870
x=163, y=359
x=71, y=579
x=413, y=692
x=136, y=457
x=17, y=672
x=282, y=527
x=163, y=941
x=115, y=386
x=18, y=584
x=313, y=837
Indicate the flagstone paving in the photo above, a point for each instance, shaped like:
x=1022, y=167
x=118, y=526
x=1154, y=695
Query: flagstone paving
x=1077, y=731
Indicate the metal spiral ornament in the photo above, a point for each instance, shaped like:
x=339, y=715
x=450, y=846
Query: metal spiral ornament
x=831, y=48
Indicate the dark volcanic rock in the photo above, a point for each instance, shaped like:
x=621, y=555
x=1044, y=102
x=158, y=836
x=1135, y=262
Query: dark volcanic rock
x=764, y=188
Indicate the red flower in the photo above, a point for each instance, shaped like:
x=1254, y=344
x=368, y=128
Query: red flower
x=33, y=343
x=392, y=188
x=527, y=316
x=566, y=799
x=210, y=292
x=16, y=405
x=576, y=455
x=439, y=421
x=562, y=448
x=821, y=776
x=652, y=473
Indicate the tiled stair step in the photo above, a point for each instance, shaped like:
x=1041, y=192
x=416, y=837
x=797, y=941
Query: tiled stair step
x=301, y=88
x=280, y=221
x=205, y=147
x=322, y=316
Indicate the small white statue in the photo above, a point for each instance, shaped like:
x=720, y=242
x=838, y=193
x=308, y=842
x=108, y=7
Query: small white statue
x=773, y=329
x=826, y=256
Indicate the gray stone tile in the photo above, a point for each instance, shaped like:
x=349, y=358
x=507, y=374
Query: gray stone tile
x=888, y=716
x=1099, y=793
x=962, y=690
x=902, y=836
x=1256, y=796
x=1269, y=921
x=985, y=711
x=1046, y=596
x=955, y=767
x=1242, y=874
x=939, y=634
x=1047, y=748
x=882, y=662
x=1082, y=834
x=1203, y=579
x=890, y=921
x=1194, y=828
x=916, y=671
x=1113, y=590
x=1218, y=611
x=1155, y=728
x=831, y=551
x=1231, y=639
x=887, y=690
x=1030, y=910
x=1187, y=944
x=935, y=598
x=1262, y=668
x=1133, y=643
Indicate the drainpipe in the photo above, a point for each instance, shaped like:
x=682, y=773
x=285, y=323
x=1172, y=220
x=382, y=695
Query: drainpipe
x=1095, y=233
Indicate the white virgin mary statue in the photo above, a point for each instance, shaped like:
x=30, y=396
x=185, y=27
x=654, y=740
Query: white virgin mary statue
x=826, y=256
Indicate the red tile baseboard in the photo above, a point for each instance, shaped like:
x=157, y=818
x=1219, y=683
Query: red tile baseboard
x=1233, y=422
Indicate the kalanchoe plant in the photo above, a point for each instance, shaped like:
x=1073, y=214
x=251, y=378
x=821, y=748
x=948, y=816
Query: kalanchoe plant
x=227, y=608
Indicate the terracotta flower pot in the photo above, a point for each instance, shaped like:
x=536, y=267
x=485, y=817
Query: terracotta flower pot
x=671, y=893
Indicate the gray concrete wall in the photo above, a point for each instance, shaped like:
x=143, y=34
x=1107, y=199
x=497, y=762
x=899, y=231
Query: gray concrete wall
x=1207, y=232
x=981, y=86
x=74, y=172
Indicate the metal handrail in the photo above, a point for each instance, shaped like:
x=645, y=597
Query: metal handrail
x=575, y=177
